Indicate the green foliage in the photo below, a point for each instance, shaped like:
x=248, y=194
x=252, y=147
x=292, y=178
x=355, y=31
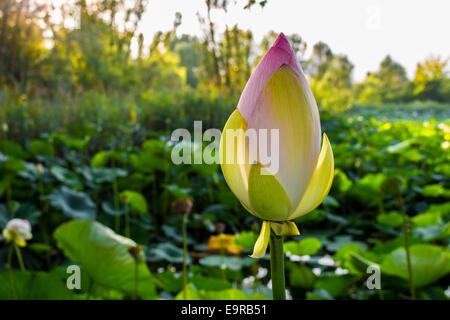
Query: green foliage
x=85, y=122
x=301, y=276
x=40, y=147
x=392, y=219
x=228, y=294
x=135, y=200
x=27, y=285
x=130, y=184
x=429, y=263
x=75, y=205
x=336, y=285
x=246, y=239
x=105, y=257
x=168, y=252
x=308, y=246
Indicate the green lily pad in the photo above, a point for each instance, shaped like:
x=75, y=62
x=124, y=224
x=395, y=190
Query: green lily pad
x=426, y=219
x=28, y=211
x=75, y=205
x=232, y=263
x=154, y=156
x=105, y=256
x=101, y=159
x=108, y=207
x=135, y=200
x=344, y=256
x=168, y=252
x=13, y=165
x=301, y=276
x=41, y=148
x=336, y=285
x=29, y=285
x=70, y=142
x=25, y=211
x=433, y=191
x=341, y=182
x=367, y=191
x=170, y=281
x=246, y=239
x=308, y=246
x=177, y=192
x=101, y=175
x=13, y=149
x=391, y=219
x=228, y=294
x=65, y=176
x=428, y=263
x=209, y=283
x=319, y=294
x=340, y=241
x=441, y=209
x=398, y=147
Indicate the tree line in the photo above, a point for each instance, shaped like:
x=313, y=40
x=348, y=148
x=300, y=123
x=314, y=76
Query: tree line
x=79, y=45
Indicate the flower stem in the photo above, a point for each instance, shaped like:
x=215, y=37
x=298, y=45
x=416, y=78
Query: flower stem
x=19, y=257
x=127, y=224
x=116, y=205
x=185, y=257
x=408, y=258
x=136, y=279
x=277, y=267
x=10, y=273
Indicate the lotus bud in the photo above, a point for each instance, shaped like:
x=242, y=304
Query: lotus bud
x=220, y=227
x=17, y=231
x=277, y=98
x=182, y=206
x=135, y=252
x=40, y=168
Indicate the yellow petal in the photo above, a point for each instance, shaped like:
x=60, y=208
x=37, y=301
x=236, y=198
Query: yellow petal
x=320, y=183
x=235, y=172
x=20, y=241
x=7, y=235
x=262, y=242
x=286, y=103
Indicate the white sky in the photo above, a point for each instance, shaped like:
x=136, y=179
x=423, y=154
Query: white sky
x=365, y=30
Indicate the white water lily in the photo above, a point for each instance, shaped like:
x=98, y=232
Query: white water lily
x=17, y=231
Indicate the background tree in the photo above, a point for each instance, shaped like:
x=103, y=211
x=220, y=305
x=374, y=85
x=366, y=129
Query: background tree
x=388, y=84
x=431, y=80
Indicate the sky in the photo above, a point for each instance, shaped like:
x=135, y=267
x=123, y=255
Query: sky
x=365, y=30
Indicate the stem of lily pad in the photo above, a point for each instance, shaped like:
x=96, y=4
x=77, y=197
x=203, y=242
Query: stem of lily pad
x=136, y=279
x=127, y=224
x=408, y=258
x=277, y=267
x=406, y=245
x=185, y=256
x=11, y=277
x=19, y=257
x=116, y=204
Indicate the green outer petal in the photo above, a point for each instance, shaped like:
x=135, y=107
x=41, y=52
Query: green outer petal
x=267, y=197
x=262, y=242
x=285, y=228
x=320, y=183
x=236, y=175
